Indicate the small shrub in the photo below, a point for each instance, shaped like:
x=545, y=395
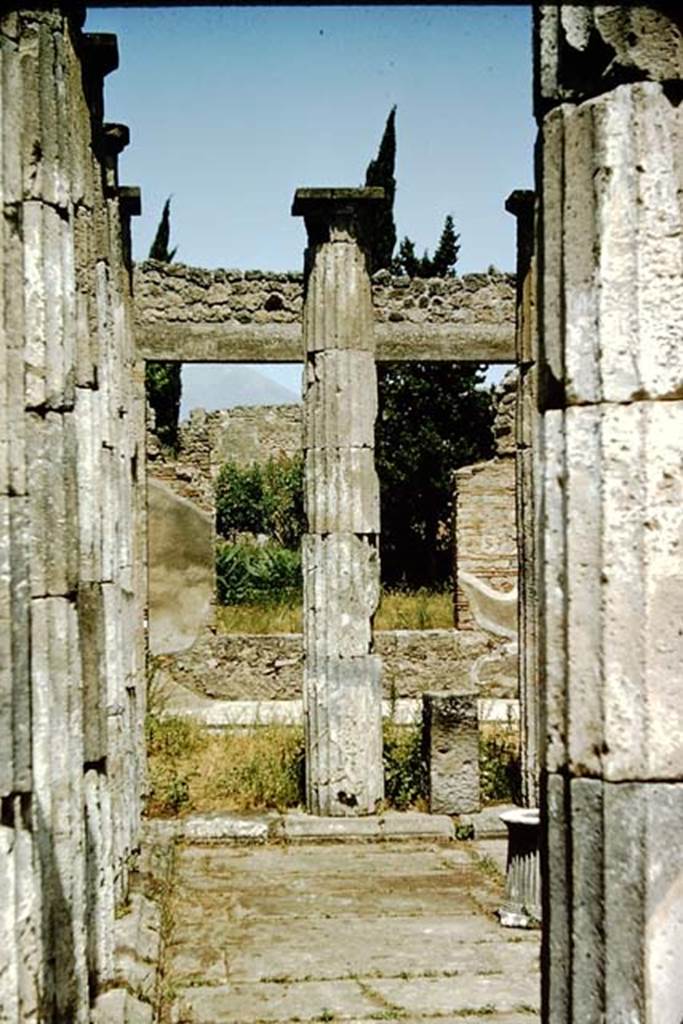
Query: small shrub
x=499, y=766
x=249, y=573
x=262, y=498
x=405, y=774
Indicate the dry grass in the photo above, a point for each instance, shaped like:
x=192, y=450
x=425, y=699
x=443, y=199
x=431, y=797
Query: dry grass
x=193, y=769
x=398, y=609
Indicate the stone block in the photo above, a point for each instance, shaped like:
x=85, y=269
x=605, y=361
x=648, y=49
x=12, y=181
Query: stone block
x=15, y=687
x=341, y=593
x=341, y=491
x=51, y=460
x=451, y=751
x=221, y=827
x=118, y=1006
x=582, y=51
x=343, y=722
x=91, y=628
x=613, y=884
x=89, y=461
x=49, y=315
x=613, y=323
x=12, y=425
x=99, y=894
x=340, y=404
x=181, y=570
x=338, y=307
x=612, y=511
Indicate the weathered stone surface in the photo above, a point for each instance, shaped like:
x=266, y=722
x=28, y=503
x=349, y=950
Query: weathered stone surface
x=202, y=315
x=341, y=492
x=118, y=1006
x=340, y=404
x=343, y=722
x=612, y=633
x=341, y=594
x=270, y=667
x=62, y=324
x=618, y=318
x=451, y=751
x=583, y=51
x=232, y=958
x=181, y=569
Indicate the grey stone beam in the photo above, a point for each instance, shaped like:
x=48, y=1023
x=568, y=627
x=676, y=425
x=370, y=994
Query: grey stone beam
x=283, y=343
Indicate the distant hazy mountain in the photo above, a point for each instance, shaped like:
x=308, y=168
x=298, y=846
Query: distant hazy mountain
x=223, y=386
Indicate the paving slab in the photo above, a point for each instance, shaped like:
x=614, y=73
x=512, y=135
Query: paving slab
x=399, y=930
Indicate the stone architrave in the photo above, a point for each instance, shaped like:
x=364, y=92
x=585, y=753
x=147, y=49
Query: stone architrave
x=342, y=676
x=610, y=386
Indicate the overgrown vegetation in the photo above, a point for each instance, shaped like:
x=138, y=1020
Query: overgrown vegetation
x=499, y=764
x=249, y=573
x=260, y=520
x=405, y=773
x=398, y=609
x=262, y=498
x=194, y=769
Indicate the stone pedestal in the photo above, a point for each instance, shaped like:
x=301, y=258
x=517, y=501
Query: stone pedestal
x=342, y=687
x=522, y=906
x=450, y=730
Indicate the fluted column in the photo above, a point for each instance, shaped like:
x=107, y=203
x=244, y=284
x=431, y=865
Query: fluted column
x=608, y=90
x=521, y=204
x=342, y=688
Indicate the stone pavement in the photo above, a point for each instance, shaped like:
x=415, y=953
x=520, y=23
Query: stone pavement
x=393, y=931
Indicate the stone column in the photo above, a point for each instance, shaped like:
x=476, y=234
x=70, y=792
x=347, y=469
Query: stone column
x=521, y=204
x=342, y=690
x=608, y=91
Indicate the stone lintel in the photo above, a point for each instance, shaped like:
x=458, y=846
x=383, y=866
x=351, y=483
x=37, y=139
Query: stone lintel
x=282, y=343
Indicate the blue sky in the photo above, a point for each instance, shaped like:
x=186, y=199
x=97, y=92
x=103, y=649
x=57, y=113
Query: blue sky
x=231, y=109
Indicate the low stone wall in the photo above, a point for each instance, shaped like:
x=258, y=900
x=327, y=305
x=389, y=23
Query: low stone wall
x=240, y=667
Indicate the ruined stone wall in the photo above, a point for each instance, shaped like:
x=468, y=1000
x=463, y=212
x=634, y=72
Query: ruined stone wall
x=484, y=511
x=240, y=667
x=176, y=294
x=244, y=434
x=72, y=547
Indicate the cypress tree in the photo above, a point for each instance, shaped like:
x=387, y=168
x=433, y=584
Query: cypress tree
x=163, y=380
x=380, y=172
x=446, y=253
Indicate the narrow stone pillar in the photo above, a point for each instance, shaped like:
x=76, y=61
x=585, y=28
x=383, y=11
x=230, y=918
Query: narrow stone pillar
x=521, y=204
x=608, y=91
x=342, y=687
x=450, y=744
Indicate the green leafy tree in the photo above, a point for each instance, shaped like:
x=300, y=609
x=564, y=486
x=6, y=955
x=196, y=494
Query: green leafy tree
x=163, y=380
x=380, y=173
x=262, y=498
x=433, y=418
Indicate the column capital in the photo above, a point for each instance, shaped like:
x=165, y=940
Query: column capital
x=333, y=214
